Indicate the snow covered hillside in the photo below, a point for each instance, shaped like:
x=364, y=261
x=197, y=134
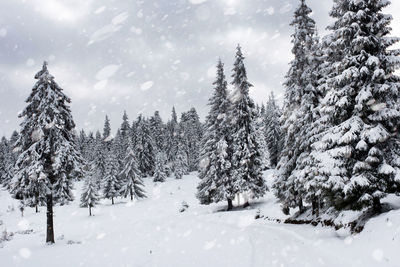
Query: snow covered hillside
x=153, y=232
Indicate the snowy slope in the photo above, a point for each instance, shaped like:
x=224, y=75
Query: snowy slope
x=152, y=232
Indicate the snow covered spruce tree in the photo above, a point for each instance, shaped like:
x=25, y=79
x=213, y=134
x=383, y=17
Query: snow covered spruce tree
x=157, y=129
x=181, y=160
x=359, y=154
x=90, y=194
x=260, y=127
x=125, y=127
x=49, y=156
x=99, y=155
x=130, y=176
x=112, y=182
x=273, y=131
x=246, y=157
x=216, y=183
x=300, y=99
x=159, y=170
x=144, y=147
x=172, y=138
x=192, y=132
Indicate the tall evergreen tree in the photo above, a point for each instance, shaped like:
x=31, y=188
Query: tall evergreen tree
x=107, y=129
x=125, y=127
x=181, y=162
x=216, y=183
x=300, y=99
x=99, y=160
x=157, y=129
x=112, y=181
x=273, y=133
x=131, y=177
x=246, y=158
x=172, y=138
x=49, y=156
x=192, y=131
x=359, y=154
x=144, y=147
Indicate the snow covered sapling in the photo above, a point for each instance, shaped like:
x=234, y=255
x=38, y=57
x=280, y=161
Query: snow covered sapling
x=159, y=171
x=49, y=153
x=131, y=177
x=90, y=195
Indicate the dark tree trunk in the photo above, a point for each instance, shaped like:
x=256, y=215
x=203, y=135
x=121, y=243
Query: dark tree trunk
x=230, y=206
x=36, y=208
x=301, y=207
x=130, y=191
x=286, y=210
x=50, y=228
x=377, y=206
x=90, y=210
x=112, y=200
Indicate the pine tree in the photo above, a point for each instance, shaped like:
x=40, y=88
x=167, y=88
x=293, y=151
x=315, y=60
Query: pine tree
x=3, y=164
x=159, y=171
x=107, y=129
x=273, y=133
x=260, y=128
x=359, y=154
x=144, y=148
x=99, y=161
x=215, y=162
x=112, y=182
x=49, y=157
x=157, y=129
x=172, y=138
x=180, y=164
x=300, y=99
x=192, y=132
x=246, y=158
x=125, y=127
x=90, y=195
x=131, y=177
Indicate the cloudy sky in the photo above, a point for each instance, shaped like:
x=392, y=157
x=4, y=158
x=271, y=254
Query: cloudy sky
x=142, y=56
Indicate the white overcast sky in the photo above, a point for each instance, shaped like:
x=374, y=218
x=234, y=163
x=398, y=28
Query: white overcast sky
x=142, y=56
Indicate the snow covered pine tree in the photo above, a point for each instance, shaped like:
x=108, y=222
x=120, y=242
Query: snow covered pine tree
x=112, y=183
x=159, y=170
x=359, y=161
x=131, y=178
x=216, y=184
x=90, y=195
x=48, y=151
x=246, y=157
x=297, y=113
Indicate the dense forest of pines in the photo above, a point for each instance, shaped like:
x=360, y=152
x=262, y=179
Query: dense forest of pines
x=335, y=143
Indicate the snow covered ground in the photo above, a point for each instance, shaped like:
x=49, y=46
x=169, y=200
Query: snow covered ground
x=152, y=232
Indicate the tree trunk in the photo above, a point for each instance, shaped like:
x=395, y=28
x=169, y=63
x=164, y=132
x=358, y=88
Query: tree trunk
x=112, y=200
x=377, y=206
x=230, y=206
x=90, y=210
x=50, y=228
x=301, y=207
x=36, y=208
x=130, y=190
